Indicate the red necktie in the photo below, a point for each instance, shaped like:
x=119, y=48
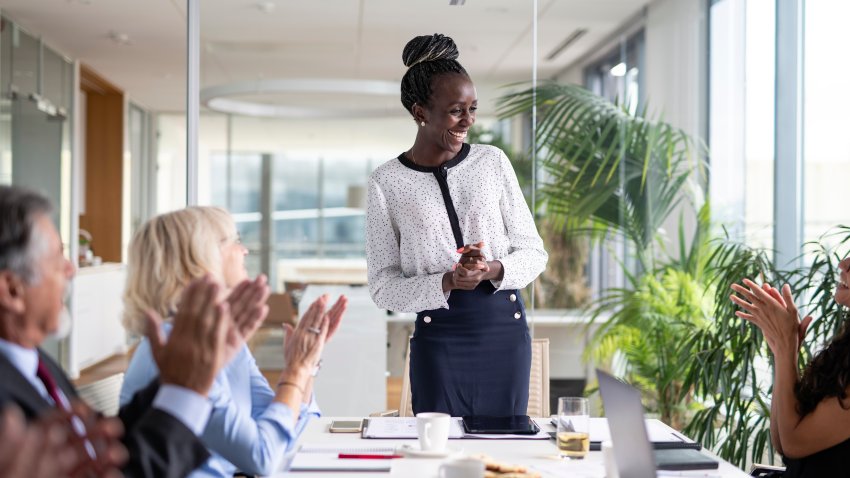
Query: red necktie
x=49, y=383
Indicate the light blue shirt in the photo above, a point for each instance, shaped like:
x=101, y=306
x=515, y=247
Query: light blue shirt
x=247, y=431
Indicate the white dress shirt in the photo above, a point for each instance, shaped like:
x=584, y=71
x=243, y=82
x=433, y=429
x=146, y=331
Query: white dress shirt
x=410, y=243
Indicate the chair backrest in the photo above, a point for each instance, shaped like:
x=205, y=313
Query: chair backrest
x=538, y=382
x=102, y=395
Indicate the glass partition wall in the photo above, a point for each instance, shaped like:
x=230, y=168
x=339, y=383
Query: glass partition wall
x=298, y=114
x=300, y=104
x=36, y=85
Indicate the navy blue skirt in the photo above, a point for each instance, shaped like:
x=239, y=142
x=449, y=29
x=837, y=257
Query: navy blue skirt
x=473, y=358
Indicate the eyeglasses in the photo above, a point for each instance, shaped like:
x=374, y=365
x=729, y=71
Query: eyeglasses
x=235, y=239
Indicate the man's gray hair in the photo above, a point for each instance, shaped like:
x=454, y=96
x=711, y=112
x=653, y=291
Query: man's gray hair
x=20, y=245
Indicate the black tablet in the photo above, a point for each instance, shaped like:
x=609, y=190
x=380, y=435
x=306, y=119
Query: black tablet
x=514, y=425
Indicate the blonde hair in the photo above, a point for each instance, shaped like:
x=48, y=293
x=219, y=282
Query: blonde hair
x=167, y=253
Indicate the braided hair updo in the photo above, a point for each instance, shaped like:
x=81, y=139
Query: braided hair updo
x=426, y=57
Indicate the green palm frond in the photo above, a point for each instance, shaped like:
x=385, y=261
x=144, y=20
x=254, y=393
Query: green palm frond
x=672, y=328
x=607, y=169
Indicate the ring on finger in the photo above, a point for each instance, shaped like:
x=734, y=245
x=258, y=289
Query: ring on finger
x=315, y=330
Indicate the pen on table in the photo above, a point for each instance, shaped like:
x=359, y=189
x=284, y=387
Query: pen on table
x=367, y=456
x=691, y=473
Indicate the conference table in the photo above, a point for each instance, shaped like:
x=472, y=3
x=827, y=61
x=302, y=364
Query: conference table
x=540, y=456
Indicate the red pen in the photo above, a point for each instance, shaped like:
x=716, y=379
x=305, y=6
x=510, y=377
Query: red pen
x=368, y=457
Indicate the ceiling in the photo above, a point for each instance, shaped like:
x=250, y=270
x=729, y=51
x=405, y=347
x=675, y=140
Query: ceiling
x=140, y=45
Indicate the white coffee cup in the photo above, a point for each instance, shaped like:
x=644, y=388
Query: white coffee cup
x=433, y=430
x=462, y=468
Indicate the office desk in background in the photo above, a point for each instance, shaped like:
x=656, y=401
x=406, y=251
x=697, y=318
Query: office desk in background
x=539, y=455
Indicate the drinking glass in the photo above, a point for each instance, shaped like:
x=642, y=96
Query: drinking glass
x=573, y=427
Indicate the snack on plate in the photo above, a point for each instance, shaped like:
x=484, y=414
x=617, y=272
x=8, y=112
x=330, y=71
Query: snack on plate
x=494, y=469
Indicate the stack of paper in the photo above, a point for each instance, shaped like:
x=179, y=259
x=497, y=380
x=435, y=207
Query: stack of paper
x=326, y=458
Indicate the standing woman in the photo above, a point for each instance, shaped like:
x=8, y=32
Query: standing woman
x=450, y=237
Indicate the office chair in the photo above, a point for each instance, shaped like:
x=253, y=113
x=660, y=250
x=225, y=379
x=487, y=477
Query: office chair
x=538, y=383
x=102, y=395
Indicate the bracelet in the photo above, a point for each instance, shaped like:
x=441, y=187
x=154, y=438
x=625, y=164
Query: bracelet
x=291, y=384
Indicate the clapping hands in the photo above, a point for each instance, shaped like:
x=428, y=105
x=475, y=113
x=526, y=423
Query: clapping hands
x=773, y=312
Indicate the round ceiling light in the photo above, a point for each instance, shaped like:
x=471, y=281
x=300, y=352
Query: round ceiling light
x=220, y=98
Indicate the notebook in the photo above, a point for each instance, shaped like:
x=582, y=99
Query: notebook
x=662, y=437
x=632, y=449
x=326, y=458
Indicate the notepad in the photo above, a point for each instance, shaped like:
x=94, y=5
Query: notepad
x=326, y=458
x=315, y=448
x=661, y=436
x=405, y=427
x=402, y=427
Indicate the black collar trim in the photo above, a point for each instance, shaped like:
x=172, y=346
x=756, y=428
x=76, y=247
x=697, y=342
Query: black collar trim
x=464, y=151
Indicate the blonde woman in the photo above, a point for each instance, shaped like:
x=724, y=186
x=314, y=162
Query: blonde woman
x=252, y=424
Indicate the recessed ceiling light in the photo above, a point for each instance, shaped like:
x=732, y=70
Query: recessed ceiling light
x=266, y=7
x=218, y=97
x=457, y=2
x=119, y=37
x=619, y=69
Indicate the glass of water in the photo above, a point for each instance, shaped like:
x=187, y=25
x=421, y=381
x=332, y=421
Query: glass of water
x=573, y=427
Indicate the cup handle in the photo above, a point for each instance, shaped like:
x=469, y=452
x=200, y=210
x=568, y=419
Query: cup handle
x=425, y=436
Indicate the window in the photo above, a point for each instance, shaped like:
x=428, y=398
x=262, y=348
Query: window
x=741, y=117
x=825, y=105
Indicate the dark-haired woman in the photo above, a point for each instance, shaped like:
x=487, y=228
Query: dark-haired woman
x=809, y=415
x=450, y=237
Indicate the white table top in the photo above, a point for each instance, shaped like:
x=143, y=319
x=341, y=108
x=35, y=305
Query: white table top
x=537, y=455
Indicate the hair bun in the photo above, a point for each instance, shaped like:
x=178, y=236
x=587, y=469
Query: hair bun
x=429, y=48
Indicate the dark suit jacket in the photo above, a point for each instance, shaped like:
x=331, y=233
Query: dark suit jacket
x=159, y=444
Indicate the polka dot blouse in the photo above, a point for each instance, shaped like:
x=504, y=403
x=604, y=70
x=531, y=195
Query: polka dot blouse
x=412, y=238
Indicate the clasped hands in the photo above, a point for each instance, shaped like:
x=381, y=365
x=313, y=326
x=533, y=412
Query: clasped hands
x=471, y=269
x=774, y=313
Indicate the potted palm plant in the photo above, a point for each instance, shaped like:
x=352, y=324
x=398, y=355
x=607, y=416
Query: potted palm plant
x=620, y=177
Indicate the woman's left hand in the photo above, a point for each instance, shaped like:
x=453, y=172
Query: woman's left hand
x=468, y=279
x=777, y=319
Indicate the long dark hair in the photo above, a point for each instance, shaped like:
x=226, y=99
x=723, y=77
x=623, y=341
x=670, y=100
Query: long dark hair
x=827, y=375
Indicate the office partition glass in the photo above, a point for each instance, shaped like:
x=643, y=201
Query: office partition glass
x=316, y=94
x=307, y=104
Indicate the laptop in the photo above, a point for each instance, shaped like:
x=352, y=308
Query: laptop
x=633, y=451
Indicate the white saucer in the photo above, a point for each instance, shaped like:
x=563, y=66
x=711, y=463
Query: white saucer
x=416, y=452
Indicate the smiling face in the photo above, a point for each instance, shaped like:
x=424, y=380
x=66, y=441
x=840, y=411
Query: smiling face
x=842, y=292
x=450, y=113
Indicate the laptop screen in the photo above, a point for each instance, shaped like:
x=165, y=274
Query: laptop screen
x=632, y=449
